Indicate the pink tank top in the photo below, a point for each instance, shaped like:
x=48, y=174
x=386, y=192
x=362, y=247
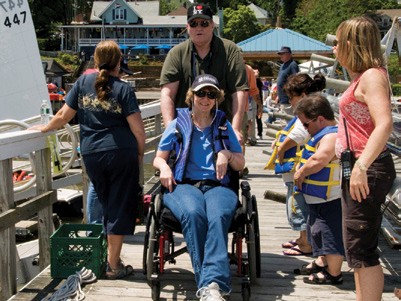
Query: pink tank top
x=359, y=121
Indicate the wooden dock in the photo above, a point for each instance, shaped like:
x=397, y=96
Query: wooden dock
x=277, y=280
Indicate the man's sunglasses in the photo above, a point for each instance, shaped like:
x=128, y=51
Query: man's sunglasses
x=306, y=124
x=194, y=24
x=202, y=93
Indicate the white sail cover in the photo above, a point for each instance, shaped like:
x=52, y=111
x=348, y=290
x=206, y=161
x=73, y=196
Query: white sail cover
x=22, y=78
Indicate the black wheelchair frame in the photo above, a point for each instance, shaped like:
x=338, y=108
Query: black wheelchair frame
x=159, y=247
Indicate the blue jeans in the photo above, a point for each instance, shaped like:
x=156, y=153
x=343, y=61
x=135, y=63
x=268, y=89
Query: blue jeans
x=94, y=211
x=205, y=214
x=297, y=208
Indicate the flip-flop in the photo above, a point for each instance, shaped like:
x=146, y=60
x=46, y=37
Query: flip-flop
x=289, y=244
x=299, y=252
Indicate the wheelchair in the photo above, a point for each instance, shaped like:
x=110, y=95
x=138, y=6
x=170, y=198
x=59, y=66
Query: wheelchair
x=159, y=248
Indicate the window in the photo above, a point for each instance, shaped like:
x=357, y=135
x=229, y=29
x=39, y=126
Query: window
x=120, y=14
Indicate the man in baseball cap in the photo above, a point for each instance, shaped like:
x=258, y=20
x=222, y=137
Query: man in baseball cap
x=288, y=67
x=204, y=53
x=284, y=49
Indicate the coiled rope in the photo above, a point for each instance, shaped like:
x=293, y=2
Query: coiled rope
x=71, y=289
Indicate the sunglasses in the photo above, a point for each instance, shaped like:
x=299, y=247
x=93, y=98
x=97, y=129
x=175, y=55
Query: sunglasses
x=202, y=93
x=194, y=24
x=306, y=124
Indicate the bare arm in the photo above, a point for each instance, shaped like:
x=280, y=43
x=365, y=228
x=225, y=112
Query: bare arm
x=225, y=158
x=167, y=101
x=238, y=109
x=166, y=174
x=324, y=154
x=285, y=145
x=373, y=90
x=62, y=117
x=136, y=125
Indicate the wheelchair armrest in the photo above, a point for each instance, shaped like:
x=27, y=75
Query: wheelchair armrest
x=245, y=186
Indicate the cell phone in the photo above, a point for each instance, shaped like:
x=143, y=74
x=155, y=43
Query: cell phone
x=347, y=163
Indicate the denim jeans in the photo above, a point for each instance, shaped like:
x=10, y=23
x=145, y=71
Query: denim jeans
x=297, y=208
x=94, y=211
x=205, y=214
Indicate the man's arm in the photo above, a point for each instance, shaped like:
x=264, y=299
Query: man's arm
x=167, y=101
x=238, y=109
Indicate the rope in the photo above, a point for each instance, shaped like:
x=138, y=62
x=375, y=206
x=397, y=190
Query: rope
x=71, y=289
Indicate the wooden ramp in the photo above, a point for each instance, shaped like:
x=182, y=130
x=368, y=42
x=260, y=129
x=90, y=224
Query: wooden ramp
x=277, y=282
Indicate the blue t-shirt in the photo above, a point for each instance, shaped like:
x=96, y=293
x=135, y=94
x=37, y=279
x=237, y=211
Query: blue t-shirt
x=200, y=164
x=286, y=69
x=103, y=125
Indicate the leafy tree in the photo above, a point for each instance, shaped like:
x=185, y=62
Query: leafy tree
x=46, y=17
x=316, y=18
x=240, y=24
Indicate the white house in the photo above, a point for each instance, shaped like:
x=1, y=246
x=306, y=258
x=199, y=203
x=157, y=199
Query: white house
x=135, y=26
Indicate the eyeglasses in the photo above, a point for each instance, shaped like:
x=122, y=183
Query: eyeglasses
x=203, y=23
x=306, y=124
x=202, y=93
x=335, y=43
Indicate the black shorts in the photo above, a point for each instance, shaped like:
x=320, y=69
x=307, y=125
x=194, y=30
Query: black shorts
x=324, y=228
x=362, y=221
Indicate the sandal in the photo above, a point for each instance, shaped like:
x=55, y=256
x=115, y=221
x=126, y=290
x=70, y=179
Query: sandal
x=327, y=278
x=289, y=244
x=121, y=272
x=304, y=270
x=296, y=251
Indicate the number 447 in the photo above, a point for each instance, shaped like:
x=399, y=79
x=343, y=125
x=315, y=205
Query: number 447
x=16, y=20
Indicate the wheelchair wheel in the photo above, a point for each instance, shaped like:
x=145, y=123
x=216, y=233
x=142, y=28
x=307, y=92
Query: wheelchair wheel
x=152, y=251
x=155, y=290
x=251, y=241
x=146, y=240
x=246, y=292
x=152, y=241
x=257, y=237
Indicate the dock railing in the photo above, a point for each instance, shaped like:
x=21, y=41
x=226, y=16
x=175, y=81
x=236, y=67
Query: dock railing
x=20, y=143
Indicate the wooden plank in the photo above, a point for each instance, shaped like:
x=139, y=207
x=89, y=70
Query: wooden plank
x=45, y=221
x=8, y=250
x=26, y=210
x=18, y=143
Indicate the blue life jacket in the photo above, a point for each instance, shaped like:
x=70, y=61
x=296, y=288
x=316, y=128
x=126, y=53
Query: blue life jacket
x=320, y=183
x=290, y=156
x=182, y=146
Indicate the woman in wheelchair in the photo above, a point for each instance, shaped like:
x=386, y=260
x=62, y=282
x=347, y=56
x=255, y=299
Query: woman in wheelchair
x=197, y=155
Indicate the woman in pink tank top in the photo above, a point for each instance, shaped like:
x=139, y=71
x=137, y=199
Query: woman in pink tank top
x=365, y=109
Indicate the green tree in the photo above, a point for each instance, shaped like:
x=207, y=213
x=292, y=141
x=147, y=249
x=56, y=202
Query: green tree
x=316, y=18
x=240, y=24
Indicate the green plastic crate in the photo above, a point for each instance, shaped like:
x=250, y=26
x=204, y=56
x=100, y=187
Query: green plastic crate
x=71, y=249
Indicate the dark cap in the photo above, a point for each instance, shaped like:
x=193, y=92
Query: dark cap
x=205, y=80
x=285, y=49
x=124, y=67
x=199, y=10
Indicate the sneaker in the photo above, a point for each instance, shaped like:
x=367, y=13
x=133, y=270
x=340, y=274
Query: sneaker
x=260, y=137
x=210, y=293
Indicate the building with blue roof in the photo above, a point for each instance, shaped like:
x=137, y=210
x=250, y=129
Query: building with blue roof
x=266, y=44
